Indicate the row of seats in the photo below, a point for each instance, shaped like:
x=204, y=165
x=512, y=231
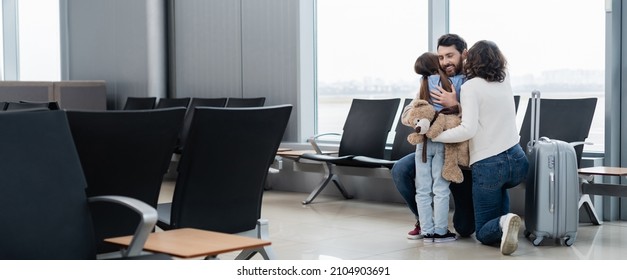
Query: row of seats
x=149, y=103
x=366, y=129
x=11, y=106
x=68, y=158
x=68, y=94
x=144, y=103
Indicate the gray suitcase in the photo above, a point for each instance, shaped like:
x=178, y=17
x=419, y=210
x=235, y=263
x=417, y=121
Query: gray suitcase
x=552, y=190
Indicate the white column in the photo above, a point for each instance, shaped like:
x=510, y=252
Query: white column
x=10, y=40
x=438, y=21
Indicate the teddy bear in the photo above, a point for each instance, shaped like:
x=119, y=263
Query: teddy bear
x=428, y=123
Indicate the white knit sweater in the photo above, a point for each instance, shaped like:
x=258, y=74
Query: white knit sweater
x=488, y=119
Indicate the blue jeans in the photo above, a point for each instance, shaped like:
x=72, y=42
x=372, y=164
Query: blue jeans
x=429, y=181
x=491, y=177
x=403, y=174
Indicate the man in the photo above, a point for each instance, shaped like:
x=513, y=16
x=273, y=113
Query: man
x=451, y=51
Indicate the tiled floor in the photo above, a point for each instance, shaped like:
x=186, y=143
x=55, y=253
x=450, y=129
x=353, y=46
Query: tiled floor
x=335, y=229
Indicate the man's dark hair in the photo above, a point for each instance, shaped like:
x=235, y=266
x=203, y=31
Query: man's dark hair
x=450, y=39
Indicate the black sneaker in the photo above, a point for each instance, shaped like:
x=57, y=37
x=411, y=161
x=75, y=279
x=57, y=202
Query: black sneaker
x=447, y=237
x=428, y=238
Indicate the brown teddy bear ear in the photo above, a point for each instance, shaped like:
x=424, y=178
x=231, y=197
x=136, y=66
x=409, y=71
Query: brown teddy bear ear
x=420, y=102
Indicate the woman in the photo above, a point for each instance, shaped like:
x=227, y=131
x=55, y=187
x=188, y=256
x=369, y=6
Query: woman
x=496, y=159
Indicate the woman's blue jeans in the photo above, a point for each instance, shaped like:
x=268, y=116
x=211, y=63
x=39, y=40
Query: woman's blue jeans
x=491, y=177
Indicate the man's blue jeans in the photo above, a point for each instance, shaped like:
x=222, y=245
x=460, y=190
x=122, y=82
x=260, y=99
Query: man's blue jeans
x=403, y=174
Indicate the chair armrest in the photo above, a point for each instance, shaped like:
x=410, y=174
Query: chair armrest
x=314, y=143
x=577, y=143
x=379, y=161
x=148, y=219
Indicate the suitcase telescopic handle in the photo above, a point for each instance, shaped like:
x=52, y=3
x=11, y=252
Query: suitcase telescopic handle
x=535, y=119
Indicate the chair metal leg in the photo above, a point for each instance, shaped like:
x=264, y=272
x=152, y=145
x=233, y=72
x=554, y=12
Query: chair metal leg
x=246, y=254
x=328, y=177
x=262, y=232
x=321, y=186
x=275, y=167
x=266, y=252
x=586, y=202
x=340, y=187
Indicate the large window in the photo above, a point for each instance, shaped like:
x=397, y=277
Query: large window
x=562, y=54
x=37, y=39
x=366, y=49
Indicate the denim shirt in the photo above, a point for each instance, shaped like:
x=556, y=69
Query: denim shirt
x=456, y=81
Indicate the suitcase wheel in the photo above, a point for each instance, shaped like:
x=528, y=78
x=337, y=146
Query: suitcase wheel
x=537, y=241
x=569, y=241
x=527, y=234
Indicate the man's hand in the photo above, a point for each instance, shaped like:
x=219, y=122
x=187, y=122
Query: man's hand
x=443, y=97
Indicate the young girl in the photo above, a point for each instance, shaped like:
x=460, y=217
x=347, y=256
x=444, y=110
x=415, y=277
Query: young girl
x=433, y=220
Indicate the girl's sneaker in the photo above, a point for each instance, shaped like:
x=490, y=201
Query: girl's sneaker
x=447, y=237
x=429, y=238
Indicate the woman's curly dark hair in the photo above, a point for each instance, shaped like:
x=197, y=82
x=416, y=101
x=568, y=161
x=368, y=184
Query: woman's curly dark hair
x=486, y=61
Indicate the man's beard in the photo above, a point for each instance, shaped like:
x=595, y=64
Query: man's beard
x=456, y=70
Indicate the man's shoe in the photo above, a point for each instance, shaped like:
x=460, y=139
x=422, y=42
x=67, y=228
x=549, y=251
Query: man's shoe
x=509, y=241
x=416, y=233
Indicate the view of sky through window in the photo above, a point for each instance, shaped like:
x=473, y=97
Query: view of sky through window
x=366, y=49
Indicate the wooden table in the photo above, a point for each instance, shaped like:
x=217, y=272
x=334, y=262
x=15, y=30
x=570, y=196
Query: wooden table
x=603, y=170
x=588, y=187
x=192, y=243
